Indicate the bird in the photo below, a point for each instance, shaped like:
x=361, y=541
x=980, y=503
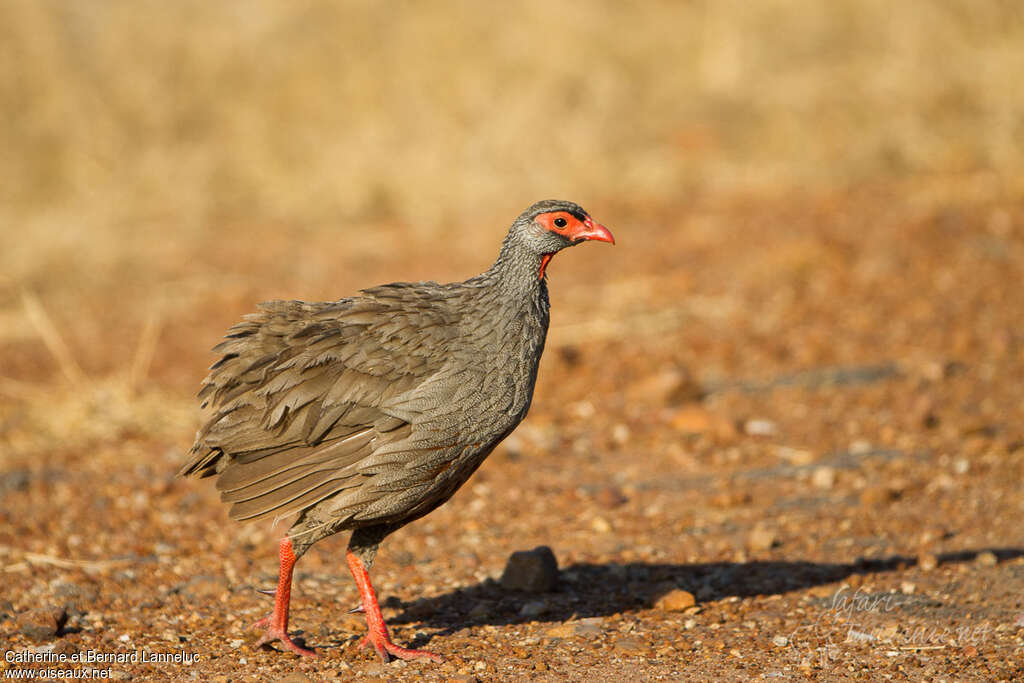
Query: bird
x=367, y=413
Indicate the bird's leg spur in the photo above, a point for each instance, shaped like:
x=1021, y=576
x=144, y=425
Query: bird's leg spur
x=275, y=626
x=378, y=635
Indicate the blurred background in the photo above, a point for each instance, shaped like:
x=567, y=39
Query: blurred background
x=166, y=165
x=819, y=209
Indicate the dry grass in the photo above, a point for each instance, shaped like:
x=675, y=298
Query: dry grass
x=171, y=162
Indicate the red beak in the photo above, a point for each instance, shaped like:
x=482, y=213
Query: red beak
x=594, y=231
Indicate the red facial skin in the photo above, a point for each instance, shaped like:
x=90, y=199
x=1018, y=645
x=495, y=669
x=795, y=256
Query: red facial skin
x=573, y=229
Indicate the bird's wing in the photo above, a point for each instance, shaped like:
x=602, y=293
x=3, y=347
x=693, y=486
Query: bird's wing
x=299, y=401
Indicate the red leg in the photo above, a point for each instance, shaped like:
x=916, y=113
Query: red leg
x=276, y=625
x=378, y=631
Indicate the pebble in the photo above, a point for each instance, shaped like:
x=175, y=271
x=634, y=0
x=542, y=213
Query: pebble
x=908, y=587
x=531, y=571
x=620, y=434
x=692, y=419
x=877, y=495
x=760, y=427
x=824, y=477
x=780, y=641
x=629, y=644
x=462, y=678
x=293, y=677
x=534, y=608
x=43, y=623
x=600, y=525
x=481, y=610
x=676, y=600
x=927, y=561
x=611, y=497
x=64, y=647
x=987, y=559
x=762, y=538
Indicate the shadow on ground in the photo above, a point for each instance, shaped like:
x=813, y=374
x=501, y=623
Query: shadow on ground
x=590, y=590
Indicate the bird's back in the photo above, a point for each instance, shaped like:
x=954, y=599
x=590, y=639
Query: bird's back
x=375, y=408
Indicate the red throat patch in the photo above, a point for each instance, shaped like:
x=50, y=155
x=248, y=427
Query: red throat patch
x=543, y=264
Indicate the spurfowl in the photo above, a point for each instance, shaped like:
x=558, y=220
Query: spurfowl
x=369, y=412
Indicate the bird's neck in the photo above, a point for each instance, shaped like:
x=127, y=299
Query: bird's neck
x=518, y=270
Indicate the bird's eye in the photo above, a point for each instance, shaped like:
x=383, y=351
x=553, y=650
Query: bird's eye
x=561, y=222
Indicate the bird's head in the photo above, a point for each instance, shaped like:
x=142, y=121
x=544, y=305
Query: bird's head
x=551, y=225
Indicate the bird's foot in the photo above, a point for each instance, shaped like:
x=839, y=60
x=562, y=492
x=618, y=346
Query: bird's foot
x=272, y=632
x=381, y=642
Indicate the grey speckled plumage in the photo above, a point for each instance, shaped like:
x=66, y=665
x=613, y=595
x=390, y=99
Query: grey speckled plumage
x=369, y=412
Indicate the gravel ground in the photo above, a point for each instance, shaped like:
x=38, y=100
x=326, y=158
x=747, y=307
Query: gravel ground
x=773, y=438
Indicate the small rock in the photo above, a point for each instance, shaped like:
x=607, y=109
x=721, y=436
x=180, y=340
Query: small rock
x=462, y=678
x=629, y=644
x=780, y=641
x=927, y=561
x=43, y=623
x=15, y=480
x=669, y=387
x=566, y=630
x=534, y=608
x=293, y=677
x=676, y=600
x=600, y=525
x=908, y=588
x=987, y=559
x=824, y=477
x=877, y=495
x=861, y=447
x=795, y=456
x=970, y=651
x=762, y=538
x=760, y=427
x=693, y=419
x=64, y=647
x=532, y=571
x=620, y=434
x=589, y=627
x=611, y=497
x=481, y=610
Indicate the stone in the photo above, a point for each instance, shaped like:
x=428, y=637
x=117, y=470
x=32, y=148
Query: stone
x=760, y=427
x=531, y=571
x=611, y=497
x=927, y=561
x=293, y=677
x=761, y=539
x=877, y=495
x=43, y=623
x=676, y=600
x=481, y=610
x=534, y=608
x=629, y=644
x=824, y=477
x=987, y=558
